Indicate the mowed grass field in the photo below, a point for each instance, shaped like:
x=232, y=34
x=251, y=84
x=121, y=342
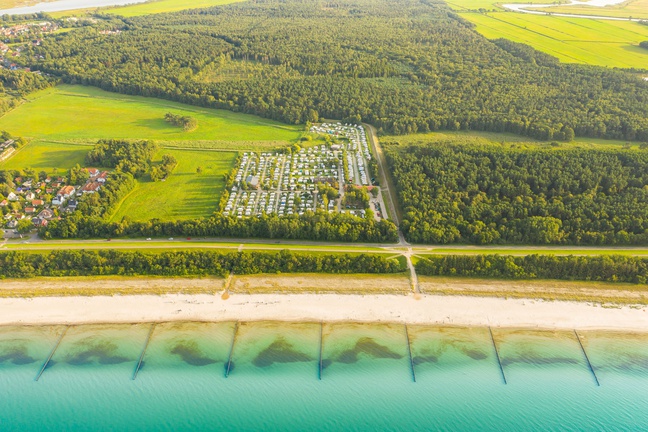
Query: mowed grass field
x=64, y=123
x=47, y=156
x=185, y=194
x=572, y=40
x=76, y=113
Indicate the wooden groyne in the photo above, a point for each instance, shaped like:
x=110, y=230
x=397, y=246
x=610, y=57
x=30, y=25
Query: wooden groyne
x=228, y=366
x=589, y=364
x=409, y=352
x=141, y=358
x=499, y=360
x=49, y=358
x=321, y=343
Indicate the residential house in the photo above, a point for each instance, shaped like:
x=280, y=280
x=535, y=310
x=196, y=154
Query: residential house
x=66, y=192
x=30, y=196
x=4, y=203
x=102, y=177
x=91, y=187
x=38, y=203
x=30, y=210
x=38, y=222
x=46, y=214
x=72, y=204
x=12, y=196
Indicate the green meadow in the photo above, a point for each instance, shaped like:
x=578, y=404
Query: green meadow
x=63, y=123
x=146, y=8
x=74, y=113
x=477, y=137
x=47, y=156
x=572, y=40
x=160, y=6
x=185, y=194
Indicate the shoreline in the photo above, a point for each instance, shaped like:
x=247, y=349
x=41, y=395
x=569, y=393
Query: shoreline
x=417, y=309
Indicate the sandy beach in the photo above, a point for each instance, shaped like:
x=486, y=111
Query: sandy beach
x=412, y=309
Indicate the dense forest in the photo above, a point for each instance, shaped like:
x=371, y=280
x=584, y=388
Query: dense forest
x=415, y=67
x=614, y=268
x=186, y=263
x=492, y=194
x=133, y=157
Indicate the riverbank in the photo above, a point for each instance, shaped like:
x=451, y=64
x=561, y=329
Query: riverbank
x=412, y=309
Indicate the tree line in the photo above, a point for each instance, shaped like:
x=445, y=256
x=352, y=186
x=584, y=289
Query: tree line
x=416, y=68
x=321, y=226
x=603, y=268
x=487, y=194
x=60, y=263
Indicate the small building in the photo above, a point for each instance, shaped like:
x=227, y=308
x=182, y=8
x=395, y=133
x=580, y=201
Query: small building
x=91, y=187
x=12, y=196
x=46, y=214
x=66, y=191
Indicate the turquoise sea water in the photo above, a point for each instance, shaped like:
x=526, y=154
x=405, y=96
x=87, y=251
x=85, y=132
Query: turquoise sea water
x=273, y=383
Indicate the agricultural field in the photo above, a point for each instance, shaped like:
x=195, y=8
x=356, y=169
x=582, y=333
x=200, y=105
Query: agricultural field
x=73, y=113
x=572, y=40
x=627, y=9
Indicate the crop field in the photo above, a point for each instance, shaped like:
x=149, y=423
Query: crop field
x=84, y=114
x=572, y=40
x=185, y=194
